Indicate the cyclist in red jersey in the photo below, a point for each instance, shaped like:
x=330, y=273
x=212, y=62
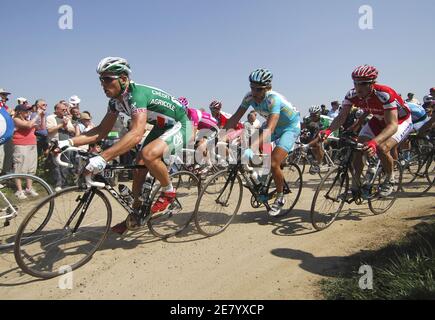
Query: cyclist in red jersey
x=391, y=122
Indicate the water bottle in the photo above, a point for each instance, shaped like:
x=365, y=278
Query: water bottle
x=146, y=187
x=126, y=193
x=255, y=179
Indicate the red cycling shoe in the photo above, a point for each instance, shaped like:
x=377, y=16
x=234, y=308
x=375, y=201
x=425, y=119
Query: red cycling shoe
x=164, y=200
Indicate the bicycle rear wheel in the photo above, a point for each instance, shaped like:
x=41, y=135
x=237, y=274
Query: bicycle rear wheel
x=14, y=207
x=76, y=229
x=378, y=204
x=218, y=203
x=329, y=199
x=179, y=214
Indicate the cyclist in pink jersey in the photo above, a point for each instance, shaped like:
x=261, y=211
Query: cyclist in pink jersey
x=204, y=127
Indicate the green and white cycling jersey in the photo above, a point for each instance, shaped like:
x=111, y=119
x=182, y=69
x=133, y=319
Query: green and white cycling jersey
x=163, y=110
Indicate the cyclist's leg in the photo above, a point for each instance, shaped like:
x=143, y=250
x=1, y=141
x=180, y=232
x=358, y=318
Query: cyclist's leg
x=366, y=134
x=283, y=147
x=172, y=141
x=385, y=156
x=284, y=144
x=317, y=151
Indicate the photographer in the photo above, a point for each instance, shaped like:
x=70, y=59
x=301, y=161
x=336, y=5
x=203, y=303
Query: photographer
x=59, y=127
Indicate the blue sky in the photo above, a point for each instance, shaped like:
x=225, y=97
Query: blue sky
x=205, y=49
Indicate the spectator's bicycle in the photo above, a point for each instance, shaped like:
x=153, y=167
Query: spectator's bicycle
x=333, y=191
x=221, y=197
x=81, y=218
x=14, y=206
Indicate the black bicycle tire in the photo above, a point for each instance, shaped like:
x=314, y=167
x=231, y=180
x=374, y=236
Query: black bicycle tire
x=48, y=275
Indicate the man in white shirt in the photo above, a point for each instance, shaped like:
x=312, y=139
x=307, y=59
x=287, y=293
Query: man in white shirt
x=335, y=109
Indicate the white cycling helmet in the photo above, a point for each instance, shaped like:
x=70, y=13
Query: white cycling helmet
x=427, y=99
x=315, y=109
x=114, y=65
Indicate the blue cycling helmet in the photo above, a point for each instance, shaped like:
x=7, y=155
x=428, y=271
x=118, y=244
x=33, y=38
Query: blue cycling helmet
x=261, y=77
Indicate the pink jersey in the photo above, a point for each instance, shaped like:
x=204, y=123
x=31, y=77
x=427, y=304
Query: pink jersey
x=202, y=120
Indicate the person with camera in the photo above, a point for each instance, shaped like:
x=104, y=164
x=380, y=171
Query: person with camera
x=59, y=127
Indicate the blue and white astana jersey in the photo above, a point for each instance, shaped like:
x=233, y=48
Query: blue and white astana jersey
x=275, y=103
x=288, y=127
x=417, y=112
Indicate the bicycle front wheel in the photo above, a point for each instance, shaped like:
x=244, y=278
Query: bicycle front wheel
x=179, y=213
x=218, y=203
x=77, y=227
x=329, y=199
x=15, y=205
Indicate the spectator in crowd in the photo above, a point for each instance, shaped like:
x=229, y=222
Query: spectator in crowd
x=91, y=124
x=41, y=133
x=25, y=156
x=75, y=115
x=411, y=98
x=432, y=92
x=4, y=98
x=428, y=102
x=252, y=124
x=6, y=149
x=59, y=127
x=22, y=101
x=249, y=125
x=83, y=125
x=324, y=111
x=335, y=109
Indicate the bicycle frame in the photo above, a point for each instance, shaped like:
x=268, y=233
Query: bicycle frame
x=90, y=192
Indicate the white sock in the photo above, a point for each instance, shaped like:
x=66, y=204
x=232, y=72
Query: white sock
x=168, y=188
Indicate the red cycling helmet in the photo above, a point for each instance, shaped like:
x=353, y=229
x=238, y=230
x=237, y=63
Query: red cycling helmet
x=365, y=73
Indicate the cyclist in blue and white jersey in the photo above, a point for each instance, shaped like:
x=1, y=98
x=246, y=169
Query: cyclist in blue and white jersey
x=283, y=124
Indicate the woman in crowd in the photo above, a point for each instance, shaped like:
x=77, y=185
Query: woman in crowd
x=25, y=155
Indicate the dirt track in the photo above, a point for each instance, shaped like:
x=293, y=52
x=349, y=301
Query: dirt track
x=257, y=257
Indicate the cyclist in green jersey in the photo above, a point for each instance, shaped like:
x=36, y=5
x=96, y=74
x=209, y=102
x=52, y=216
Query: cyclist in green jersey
x=171, y=129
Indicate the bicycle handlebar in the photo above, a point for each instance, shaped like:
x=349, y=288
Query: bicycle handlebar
x=88, y=178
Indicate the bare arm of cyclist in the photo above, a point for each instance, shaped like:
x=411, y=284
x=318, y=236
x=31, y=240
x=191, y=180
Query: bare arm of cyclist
x=341, y=118
x=98, y=133
x=130, y=139
x=234, y=120
x=391, y=125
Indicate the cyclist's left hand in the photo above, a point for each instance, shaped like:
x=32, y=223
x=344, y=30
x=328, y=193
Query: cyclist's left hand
x=96, y=165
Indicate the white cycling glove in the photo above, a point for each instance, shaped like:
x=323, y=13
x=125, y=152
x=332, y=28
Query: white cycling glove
x=96, y=164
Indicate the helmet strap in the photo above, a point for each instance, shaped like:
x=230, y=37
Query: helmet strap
x=124, y=88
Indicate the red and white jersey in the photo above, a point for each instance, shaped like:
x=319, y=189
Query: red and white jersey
x=382, y=98
x=224, y=117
